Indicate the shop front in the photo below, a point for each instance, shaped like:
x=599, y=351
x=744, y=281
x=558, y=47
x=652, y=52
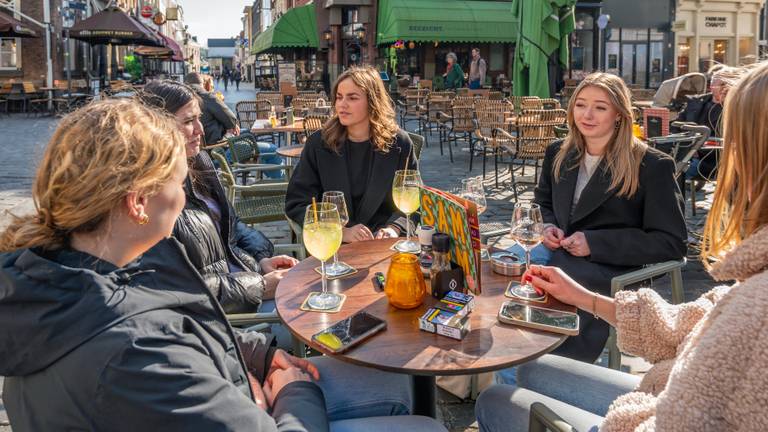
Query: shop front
x=414, y=37
x=716, y=32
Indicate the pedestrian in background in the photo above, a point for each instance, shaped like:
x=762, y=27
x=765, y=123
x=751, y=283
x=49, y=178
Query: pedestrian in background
x=237, y=77
x=477, y=69
x=454, y=76
x=226, y=75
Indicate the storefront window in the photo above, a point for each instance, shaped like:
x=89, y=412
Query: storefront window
x=9, y=53
x=747, y=51
x=683, y=57
x=582, y=45
x=656, y=63
x=712, y=52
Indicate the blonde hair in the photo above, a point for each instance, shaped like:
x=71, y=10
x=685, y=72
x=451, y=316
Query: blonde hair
x=381, y=113
x=740, y=204
x=624, y=153
x=95, y=157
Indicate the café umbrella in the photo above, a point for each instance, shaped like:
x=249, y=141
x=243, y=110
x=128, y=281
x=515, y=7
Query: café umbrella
x=10, y=27
x=110, y=27
x=544, y=27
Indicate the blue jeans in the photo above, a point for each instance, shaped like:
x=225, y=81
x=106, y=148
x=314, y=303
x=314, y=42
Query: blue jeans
x=474, y=84
x=578, y=392
x=273, y=159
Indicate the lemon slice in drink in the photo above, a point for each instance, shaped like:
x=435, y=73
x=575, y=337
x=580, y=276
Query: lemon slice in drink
x=330, y=340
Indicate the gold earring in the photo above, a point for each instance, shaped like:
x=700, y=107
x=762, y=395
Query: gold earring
x=143, y=219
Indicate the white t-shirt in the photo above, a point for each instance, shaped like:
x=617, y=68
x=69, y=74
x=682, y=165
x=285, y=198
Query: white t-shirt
x=587, y=167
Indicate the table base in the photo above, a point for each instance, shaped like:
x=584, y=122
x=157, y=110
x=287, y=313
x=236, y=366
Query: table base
x=424, y=396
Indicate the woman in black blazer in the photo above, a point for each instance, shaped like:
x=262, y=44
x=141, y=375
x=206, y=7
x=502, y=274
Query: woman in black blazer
x=611, y=203
x=357, y=152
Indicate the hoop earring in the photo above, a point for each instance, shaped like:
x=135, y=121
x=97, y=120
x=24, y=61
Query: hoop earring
x=143, y=219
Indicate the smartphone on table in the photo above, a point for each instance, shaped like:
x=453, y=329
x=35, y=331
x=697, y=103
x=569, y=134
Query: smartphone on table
x=349, y=332
x=539, y=318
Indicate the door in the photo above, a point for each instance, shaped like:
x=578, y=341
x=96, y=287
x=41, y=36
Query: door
x=634, y=67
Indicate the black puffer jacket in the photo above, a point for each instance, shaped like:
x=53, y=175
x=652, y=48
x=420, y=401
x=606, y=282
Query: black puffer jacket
x=213, y=242
x=89, y=346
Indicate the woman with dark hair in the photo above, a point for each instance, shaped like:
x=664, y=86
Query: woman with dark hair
x=235, y=260
x=357, y=152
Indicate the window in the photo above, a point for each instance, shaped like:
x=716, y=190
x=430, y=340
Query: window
x=9, y=53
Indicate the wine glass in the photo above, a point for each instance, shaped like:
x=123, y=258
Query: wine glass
x=472, y=190
x=406, y=191
x=528, y=231
x=336, y=197
x=322, y=238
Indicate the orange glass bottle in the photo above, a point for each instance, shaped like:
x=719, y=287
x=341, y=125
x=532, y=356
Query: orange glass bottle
x=405, y=287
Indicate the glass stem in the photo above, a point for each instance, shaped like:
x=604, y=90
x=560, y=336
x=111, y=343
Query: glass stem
x=323, y=279
x=527, y=263
x=336, y=259
x=408, y=227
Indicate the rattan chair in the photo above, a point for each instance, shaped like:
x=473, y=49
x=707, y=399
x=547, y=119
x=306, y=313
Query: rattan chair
x=487, y=126
x=313, y=124
x=414, y=102
x=535, y=131
x=459, y=123
x=437, y=102
x=250, y=111
x=245, y=161
x=549, y=104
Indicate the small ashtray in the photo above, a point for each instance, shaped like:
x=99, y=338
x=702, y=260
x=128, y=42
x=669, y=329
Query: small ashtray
x=507, y=264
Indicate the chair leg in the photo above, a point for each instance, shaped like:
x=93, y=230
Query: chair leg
x=450, y=151
x=693, y=197
x=471, y=154
x=496, y=166
x=484, y=161
x=512, y=176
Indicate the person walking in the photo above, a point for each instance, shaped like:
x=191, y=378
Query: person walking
x=226, y=75
x=477, y=69
x=454, y=76
x=237, y=77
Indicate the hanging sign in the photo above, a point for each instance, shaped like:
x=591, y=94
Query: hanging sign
x=159, y=19
x=146, y=11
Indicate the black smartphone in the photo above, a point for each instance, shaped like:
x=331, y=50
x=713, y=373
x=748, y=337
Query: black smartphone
x=349, y=332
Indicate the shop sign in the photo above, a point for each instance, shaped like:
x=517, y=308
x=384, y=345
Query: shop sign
x=286, y=72
x=146, y=11
x=159, y=19
x=425, y=28
x=715, y=24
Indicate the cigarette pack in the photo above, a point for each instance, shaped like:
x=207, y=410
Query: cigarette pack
x=457, y=302
x=445, y=323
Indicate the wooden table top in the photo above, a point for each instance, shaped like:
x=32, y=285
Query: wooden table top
x=297, y=126
x=292, y=151
x=402, y=347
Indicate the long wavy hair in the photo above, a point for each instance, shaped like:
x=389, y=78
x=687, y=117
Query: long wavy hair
x=624, y=153
x=96, y=156
x=740, y=204
x=381, y=112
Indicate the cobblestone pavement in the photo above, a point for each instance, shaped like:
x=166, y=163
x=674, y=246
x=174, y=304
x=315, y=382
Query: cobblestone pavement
x=23, y=140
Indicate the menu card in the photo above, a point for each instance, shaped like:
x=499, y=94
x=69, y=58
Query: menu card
x=456, y=217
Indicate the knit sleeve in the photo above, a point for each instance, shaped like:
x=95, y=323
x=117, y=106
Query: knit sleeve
x=649, y=327
x=632, y=412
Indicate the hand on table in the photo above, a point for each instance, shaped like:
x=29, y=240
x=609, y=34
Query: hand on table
x=576, y=244
x=279, y=262
x=556, y=283
x=388, y=232
x=271, y=280
x=356, y=233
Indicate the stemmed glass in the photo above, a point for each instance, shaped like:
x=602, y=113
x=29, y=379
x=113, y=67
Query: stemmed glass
x=336, y=197
x=406, y=191
x=472, y=190
x=322, y=238
x=528, y=231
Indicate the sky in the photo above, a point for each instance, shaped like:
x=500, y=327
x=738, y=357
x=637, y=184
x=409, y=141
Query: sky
x=213, y=18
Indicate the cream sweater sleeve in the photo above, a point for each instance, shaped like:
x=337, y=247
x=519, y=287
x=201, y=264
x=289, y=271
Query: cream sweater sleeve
x=649, y=327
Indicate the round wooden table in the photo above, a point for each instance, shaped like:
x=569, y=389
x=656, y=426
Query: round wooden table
x=292, y=151
x=403, y=348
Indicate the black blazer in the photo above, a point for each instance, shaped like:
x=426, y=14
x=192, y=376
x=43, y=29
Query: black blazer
x=321, y=169
x=622, y=233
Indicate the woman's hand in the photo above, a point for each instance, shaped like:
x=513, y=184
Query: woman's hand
x=258, y=392
x=279, y=379
x=559, y=285
x=356, y=233
x=279, y=262
x=552, y=237
x=388, y=232
x=576, y=244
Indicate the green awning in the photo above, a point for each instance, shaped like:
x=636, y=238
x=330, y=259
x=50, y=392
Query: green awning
x=297, y=28
x=445, y=21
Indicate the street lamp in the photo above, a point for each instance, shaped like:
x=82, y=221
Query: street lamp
x=328, y=38
x=360, y=34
